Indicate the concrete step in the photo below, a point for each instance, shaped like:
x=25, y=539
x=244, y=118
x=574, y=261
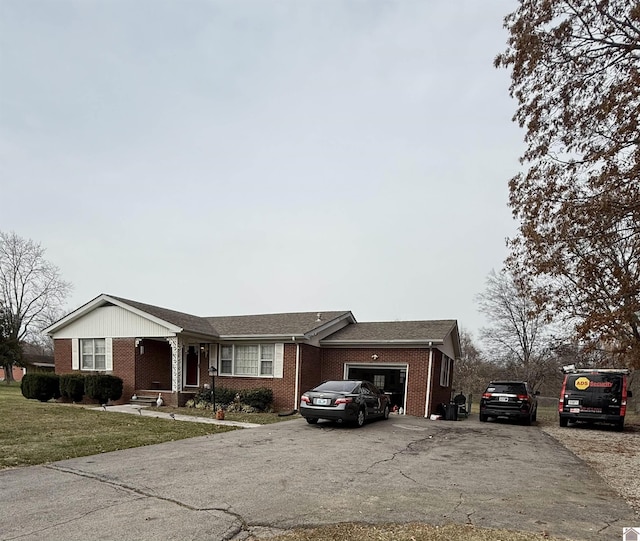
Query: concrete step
x=144, y=400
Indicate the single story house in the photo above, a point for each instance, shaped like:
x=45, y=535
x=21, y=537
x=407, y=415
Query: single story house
x=157, y=350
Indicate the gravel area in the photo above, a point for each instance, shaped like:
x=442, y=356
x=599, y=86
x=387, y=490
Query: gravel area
x=615, y=456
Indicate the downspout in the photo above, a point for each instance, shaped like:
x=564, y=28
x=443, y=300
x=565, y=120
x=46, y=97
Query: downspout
x=297, y=385
x=427, y=406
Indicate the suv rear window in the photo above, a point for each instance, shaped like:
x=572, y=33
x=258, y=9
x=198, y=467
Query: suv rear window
x=510, y=388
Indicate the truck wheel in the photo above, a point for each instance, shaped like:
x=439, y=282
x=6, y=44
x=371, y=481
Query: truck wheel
x=483, y=418
x=311, y=420
x=564, y=421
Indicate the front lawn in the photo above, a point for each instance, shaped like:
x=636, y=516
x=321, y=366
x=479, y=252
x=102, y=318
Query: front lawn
x=36, y=433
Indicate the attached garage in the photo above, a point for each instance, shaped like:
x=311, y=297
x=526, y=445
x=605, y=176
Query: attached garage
x=391, y=378
x=412, y=359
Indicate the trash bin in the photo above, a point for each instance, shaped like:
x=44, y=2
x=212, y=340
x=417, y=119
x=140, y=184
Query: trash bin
x=450, y=411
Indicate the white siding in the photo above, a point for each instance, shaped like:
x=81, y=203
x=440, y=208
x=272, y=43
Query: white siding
x=447, y=347
x=114, y=322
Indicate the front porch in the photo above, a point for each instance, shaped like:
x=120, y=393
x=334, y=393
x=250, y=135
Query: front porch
x=173, y=366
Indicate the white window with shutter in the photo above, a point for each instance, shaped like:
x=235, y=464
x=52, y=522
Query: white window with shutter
x=92, y=354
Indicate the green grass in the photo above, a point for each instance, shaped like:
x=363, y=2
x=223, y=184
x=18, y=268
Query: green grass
x=36, y=433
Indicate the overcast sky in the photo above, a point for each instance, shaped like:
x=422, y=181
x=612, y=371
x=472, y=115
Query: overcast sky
x=224, y=157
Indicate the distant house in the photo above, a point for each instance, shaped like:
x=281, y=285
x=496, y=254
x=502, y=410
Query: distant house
x=33, y=360
x=17, y=372
x=155, y=349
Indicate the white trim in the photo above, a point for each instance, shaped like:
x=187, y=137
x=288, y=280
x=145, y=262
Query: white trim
x=101, y=300
x=75, y=354
x=108, y=354
x=427, y=404
x=297, y=385
x=278, y=360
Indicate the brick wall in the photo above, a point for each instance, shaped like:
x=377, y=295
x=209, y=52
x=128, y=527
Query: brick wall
x=310, y=368
x=62, y=355
x=123, y=362
x=440, y=394
x=153, y=367
x=124, y=365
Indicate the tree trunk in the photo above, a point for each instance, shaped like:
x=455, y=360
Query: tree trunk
x=8, y=372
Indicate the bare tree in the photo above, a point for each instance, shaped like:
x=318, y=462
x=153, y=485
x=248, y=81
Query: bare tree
x=575, y=72
x=472, y=371
x=32, y=292
x=519, y=337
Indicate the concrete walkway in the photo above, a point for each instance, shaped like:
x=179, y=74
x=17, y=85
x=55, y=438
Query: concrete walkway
x=145, y=411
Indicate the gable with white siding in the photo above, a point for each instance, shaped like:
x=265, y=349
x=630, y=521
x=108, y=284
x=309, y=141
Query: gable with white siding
x=114, y=322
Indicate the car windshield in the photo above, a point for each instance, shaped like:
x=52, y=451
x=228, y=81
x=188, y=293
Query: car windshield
x=337, y=386
x=510, y=388
x=595, y=383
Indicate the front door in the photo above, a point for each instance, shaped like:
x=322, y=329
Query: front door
x=191, y=372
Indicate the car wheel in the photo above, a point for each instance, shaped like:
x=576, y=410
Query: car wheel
x=527, y=420
x=360, y=419
x=483, y=418
x=620, y=426
x=385, y=413
x=564, y=422
x=534, y=417
x=311, y=420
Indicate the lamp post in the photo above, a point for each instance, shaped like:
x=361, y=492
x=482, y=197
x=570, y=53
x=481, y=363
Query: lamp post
x=212, y=374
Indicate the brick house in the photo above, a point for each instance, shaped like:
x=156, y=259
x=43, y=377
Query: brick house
x=154, y=350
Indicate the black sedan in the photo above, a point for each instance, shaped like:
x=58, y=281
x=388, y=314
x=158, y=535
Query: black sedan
x=344, y=401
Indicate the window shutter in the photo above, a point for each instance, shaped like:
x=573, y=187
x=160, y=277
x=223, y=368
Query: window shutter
x=108, y=353
x=278, y=361
x=75, y=354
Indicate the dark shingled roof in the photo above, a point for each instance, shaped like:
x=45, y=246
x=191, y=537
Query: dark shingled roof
x=396, y=331
x=188, y=322
x=291, y=324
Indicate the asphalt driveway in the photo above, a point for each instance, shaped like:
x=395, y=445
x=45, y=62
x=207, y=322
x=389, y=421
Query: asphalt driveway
x=293, y=474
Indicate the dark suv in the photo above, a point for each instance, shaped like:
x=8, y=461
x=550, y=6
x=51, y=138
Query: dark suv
x=594, y=395
x=511, y=399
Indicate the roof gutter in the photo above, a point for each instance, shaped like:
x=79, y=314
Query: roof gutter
x=283, y=337
x=422, y=342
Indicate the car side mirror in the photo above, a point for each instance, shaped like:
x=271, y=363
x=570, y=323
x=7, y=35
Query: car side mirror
x=629, y=394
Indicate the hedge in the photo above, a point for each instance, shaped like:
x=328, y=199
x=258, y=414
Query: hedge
x=41, y=386
x=72, y=386
x=103, y=387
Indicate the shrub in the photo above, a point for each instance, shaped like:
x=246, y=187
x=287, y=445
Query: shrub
x=260, y=398
x=224, y=396
x=103, y=387
x=72, y=386
x=41, y=386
